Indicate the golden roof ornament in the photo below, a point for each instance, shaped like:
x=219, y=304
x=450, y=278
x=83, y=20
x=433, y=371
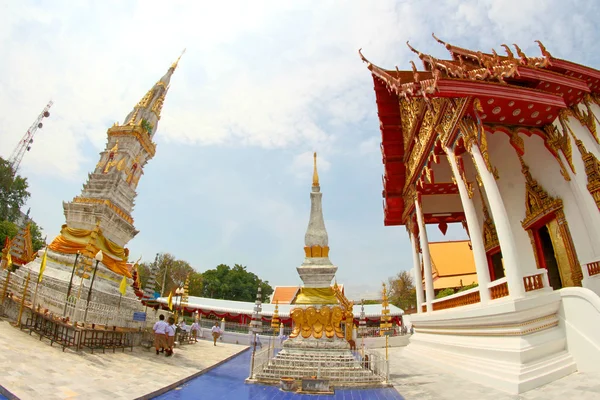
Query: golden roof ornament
x=174, y=65
x=315, y=173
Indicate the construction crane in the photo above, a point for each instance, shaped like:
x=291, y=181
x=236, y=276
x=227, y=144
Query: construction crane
x=25, y=143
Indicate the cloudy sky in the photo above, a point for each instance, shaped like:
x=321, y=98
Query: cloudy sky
x=261, y=86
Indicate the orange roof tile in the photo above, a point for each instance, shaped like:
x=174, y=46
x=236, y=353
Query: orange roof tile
x=284, y=294
x=452, y=264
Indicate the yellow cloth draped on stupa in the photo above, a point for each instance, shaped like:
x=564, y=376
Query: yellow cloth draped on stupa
x=72, y=240
x=324, y=295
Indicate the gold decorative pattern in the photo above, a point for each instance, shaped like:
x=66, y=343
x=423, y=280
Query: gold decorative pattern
x=145, y=101
x=312, y=322
x=517, y=141
x=592, y=169
x=347, y=307
x=410, y=111
x=490, y=236
x=315, y=173
x=316, y=251
x=461, y=171
x=586, y=118
x=158, y=104
x=564, y=233
x=136, y=131
x=557, y=142
x=538, y=203
x=470, y=132
x=424, y=137
x=108, y=203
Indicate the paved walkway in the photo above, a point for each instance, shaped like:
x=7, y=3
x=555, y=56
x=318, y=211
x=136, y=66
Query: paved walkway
x=32, y=369
x=227, y=382
x=418, y=380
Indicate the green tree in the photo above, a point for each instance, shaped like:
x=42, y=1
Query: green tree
x=13, y=192
x=237, y=283
x=7, y=229
x=401, y=290
x=10, y=230
x=176, y=272
x=37, y=240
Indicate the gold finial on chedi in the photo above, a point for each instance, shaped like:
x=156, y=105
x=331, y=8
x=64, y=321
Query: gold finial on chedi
x=315, y=173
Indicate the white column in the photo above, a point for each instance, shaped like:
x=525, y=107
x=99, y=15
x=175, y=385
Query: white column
x=429, y=295
x=417, y=273
x=506, y=239
x=481, y=262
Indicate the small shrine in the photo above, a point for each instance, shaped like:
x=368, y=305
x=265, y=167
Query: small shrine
x=318, y=351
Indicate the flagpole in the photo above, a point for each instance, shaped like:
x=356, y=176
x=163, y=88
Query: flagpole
x=23, y=298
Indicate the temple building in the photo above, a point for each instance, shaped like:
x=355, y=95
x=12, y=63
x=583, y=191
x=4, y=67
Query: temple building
x=506, y=144
x=99, y=220
x=452, y=266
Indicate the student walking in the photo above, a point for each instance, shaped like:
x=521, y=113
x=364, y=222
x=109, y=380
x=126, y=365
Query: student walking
x=170, y=336
x=216, y=332
x=194, y=330
x=160, y=332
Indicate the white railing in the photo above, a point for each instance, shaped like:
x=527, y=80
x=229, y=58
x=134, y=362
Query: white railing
x=54, y=301
x=334, y=370
x=536, y=281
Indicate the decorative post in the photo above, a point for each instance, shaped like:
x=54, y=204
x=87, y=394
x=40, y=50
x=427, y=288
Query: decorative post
x=385, y=325
x=275, y=323
x=255, y=326
x=362, y=327
x=71, y=283
x=89, y=297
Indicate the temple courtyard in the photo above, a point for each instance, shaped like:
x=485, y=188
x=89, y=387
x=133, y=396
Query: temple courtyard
x=32, y=369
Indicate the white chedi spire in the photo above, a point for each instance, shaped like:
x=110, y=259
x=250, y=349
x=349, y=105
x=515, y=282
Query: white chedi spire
x=316, y=271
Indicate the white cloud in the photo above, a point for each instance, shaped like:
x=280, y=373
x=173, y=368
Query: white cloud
x=262, y=74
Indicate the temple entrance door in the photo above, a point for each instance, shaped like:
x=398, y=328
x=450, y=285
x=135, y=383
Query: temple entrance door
x=546, y=248
x=496, y=264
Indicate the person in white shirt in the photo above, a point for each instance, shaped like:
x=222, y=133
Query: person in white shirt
x=216, y=332
x=160, y=331
x=170, y=336
x=182, y=325
x=194, y=330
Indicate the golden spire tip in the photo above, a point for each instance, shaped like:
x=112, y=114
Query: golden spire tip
x=174, y=65
x=315, y=173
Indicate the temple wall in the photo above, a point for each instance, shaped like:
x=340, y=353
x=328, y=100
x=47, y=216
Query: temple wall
x=546, y=170
x=512, y=189
x=586, y=202
x=441, y=204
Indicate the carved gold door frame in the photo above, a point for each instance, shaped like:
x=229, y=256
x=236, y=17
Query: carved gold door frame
x=543, y=209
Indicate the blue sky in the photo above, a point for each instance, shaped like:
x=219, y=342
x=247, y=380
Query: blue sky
x=261, y=86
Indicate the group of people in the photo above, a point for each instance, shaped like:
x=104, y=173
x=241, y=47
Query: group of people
x=164, y=334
